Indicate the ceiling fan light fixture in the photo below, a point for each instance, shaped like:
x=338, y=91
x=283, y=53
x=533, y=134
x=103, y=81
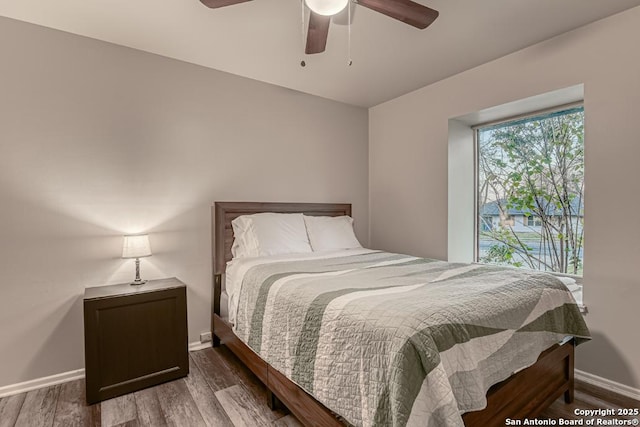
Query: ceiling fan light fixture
x=326, y=7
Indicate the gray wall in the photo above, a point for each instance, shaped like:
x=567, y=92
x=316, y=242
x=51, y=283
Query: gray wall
x=408, y=146
x=98, y=140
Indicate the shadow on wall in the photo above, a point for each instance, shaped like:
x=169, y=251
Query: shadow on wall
x=182, y=248
x=46, y=260
x=66, y=331
x=605, y=360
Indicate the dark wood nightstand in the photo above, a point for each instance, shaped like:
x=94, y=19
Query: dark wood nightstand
x=134, y=337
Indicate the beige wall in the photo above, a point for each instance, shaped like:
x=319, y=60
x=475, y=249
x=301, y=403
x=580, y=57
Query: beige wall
x=98, y=140
x=408, y=146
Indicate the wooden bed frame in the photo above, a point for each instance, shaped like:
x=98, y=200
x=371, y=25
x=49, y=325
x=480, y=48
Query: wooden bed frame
x=523, y=395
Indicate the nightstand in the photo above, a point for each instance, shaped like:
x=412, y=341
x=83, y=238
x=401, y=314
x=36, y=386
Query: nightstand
x=134, y=337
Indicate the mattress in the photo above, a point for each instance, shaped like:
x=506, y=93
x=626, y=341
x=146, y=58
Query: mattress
x=224, y=305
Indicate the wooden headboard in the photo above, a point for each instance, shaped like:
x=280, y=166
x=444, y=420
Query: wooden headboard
x=222, y=213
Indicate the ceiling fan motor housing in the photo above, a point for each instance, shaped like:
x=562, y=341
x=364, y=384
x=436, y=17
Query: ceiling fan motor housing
x=326, y=7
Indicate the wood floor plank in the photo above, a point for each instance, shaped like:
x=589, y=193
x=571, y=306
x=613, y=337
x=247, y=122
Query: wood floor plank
x=96, y=414
x=118, y=410
x=560, y=409
x=72, y=409
x=252, y=384
x=10, y=409
x=236, y=367
x=214, y=369
x=177, y=404
x=612, y=398
x=211, y=410
x=242, y=408
x=586, y=401
x=130, y=423
x=39, y=407
x=149, y=409
x=287, y=421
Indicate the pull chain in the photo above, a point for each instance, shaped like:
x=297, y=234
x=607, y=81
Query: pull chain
x=302, y=32
x=349, y=61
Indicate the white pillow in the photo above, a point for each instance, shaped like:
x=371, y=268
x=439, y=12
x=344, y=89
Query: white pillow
x=327, y=233
x=269, y=233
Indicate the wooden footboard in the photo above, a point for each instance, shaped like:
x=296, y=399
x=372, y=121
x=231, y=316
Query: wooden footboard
x=529, y=392
x=523, y=395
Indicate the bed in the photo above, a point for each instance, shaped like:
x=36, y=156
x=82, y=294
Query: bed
x=524, y=394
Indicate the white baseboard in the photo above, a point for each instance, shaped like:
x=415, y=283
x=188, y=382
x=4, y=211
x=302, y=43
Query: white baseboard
x=606, y=384
x=64, y=377
x=197, y=345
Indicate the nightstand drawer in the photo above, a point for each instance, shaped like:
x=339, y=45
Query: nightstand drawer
x=135, y=337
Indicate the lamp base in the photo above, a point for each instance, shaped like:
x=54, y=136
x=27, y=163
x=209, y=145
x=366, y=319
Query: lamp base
x=138, y=281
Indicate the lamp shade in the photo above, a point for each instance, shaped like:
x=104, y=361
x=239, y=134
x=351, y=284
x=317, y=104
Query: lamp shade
x=136, y=246
x=326, y=7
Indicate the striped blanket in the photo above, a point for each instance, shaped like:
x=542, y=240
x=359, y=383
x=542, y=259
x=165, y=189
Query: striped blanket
x=390, y=340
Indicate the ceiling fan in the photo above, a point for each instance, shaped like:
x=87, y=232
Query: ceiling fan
x=407, y=11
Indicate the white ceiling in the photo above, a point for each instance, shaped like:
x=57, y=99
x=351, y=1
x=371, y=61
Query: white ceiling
x=262, y=39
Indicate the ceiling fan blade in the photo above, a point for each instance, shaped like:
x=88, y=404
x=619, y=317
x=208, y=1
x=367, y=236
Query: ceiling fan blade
x=214, y=4
x=406, y=11
x=317, y=33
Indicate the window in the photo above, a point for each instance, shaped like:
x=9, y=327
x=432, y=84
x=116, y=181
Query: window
x=535, y=221
x=486, y=223
x=532, y=168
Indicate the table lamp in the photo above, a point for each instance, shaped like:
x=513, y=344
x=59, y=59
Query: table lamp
x=136, y=247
